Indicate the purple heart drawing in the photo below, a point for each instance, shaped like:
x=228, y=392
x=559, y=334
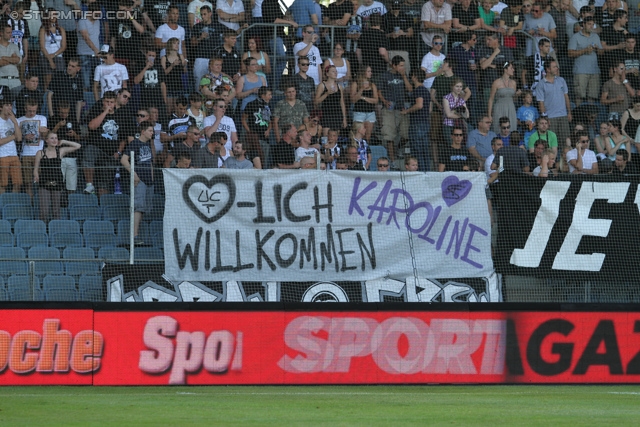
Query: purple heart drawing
x=454, y=190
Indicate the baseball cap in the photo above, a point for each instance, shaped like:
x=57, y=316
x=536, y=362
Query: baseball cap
x=106, y=49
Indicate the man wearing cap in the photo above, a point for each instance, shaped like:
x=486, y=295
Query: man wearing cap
x=584, y=47
x=109, y=76
x=9, y=59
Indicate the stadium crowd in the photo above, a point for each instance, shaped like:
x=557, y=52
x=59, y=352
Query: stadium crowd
x=533, y=87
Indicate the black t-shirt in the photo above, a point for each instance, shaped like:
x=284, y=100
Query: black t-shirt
x=150, y=92
x=126, y=119
x=337, y=11
x=230, y=60
x=369, y=43
x=107, y=135
x=22, y=97
x=207, y=46
x=157, y=10
x=421, y=115
x=128, y=40
x=258, y=116
x=63, y=131
x=283, y=154
x=492, y=74
x=454, y=159
x=466, y=17
x=401, y=21
x=631, y=62
x=270, y=12
x=65, y=87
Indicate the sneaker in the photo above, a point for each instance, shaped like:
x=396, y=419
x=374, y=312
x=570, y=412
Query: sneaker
x=90, y=189
x=137, y=241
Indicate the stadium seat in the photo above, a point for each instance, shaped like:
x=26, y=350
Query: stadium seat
x=19, y=288
x=7, y=238
x=99, y=240
x=90, y=287
x=27, y=240
x=157, y=212
x=13, y=212
x=377, y=151
x=59, y=288
x=156, y=234
x=114, y=254
x=84, y=213
x=77, y=268
x=4, y=295
x=64, y=240
x=115, y=213
x=43, y=268
x=98, y=227
x=63, y=226
x=29, y=226
x=114, y=200
x=15, y=199
x=123, y=231
x=147, y=255
x=5, y=226
x=12, y=261
x=76, y=199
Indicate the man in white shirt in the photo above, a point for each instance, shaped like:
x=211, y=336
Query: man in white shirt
x=582, y=160
x=9, y=59
x=171, y=29
x=109, y=76
x=307, y=48
x=432, y=62
x=33, y=126
x=9, y=134
x=193, y=11
x=218, y=122
x=436, y=20
x=305, y=150
x=368, y=8
x=230, y=13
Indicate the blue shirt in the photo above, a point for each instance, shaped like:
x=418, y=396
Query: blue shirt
x=481, y=142
x=302, y=11
x=552, y=94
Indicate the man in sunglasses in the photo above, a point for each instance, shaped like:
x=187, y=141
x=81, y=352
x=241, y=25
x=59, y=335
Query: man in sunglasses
x=383, y=164
x=436, y=20
x=189, y=145
x=538, y=24
x=307, y=49
x=432, y=62
x=454, y=158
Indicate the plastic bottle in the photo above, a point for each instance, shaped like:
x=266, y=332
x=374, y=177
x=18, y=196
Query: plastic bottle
x=116, y=183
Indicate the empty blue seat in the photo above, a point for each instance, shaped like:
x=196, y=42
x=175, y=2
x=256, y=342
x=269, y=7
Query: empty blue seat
x=145, y=255
x=4, y=295
x=59, y=288
x=84, y=213
x=29, y=226
x=63, y=226
x=113, y=254
x=76, y=199
x=97, y=227
x=27, y=240
x=64, y=240
x=15, y=199
x=13, y=212
x=90, y=287
x=156, y=234
x=123, y=231
x=157, y=212
x=19, y=288
x=5, y=226
x=12, y=261
x=43, y=266
x=115, y=213
x=114, y=200
x=7, y=238
x=99, y=240
x=77, y=268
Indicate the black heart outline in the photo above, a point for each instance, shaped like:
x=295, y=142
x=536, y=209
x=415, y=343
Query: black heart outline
x=218, y=179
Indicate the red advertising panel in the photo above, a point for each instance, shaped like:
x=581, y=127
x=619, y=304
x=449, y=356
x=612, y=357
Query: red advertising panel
x=258, y=347
x=48, y=347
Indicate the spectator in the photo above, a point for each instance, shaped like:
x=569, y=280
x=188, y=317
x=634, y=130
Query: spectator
x=89, y=28
x=383, y=164
x=20, y=34
x=219, y=122
x=504, y=132
x=503, y=90
x=206, y=35
x=184, y=161
x=29, y=91
x=527, y=115
x=109, y=76
x=330, y=96
x=553, y=100
x=533, y=70
x=213, y=154
x=215, y=79
x=173, y=67
x=66, y=85
x=399, y=32
x=488, y=17
x=353, y=159
x=331, y=150
x=262, y=58
x=306, y=48
x=230, y=56
x=67, y=22
x=126, y=32
x=617, y=92
x=512, y=20
x=613, y=39
x=492, y=174
x=465, y=20
x=342, y=64
x=455, y=157
x=464, y=62
x=432, y=62
x=631, y=61
x=68, y=129
x=284, y=156
x=170, y=30
x=615, y=142
x=543, y=134
x=546, y=166
x=622, y=166
x=304, y=13
x=238, y=160
x=10, y=58
x=630, y=120
x=304, y=148
x=394, y=87
x=142, y=148
x=272, y=14
x=305, y=85
x=419, y=120
x=585, y=47
x=47, y=172
x=189, y=144
x=32, y=127
x=9, y=134
x=361, y=144
x=455, y=110
x=373, y=46
x=53, y=43
x=289, y=110
x=231, y=14
x=511, y=158
x=493, y=57
x=256, y=120
x=410, y=164
x=368, y=8
x=364, y=96
x=479, y=141
x=538, y=24
x=436, y=20
x=194, y=12
x=582, y=160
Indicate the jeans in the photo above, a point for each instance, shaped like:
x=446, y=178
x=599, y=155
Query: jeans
x=88, y=64
x=418, y=131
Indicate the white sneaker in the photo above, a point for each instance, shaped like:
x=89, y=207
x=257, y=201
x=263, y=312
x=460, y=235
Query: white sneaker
x=90, y=189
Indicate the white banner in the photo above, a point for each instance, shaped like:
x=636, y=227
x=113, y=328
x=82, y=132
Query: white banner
x=333, y=226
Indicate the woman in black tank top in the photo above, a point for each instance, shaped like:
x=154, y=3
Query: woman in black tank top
x=630, y=119
x=47, y=173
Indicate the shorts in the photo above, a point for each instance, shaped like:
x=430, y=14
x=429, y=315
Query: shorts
x=587, y=85
x=364, y=117
x=143, y=198
x=10, y=166
x=394, y=124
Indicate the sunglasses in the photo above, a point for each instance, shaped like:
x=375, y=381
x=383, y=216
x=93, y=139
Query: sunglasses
x=304, y=64
x=222, y=106
x=386, y=165
x=310, y=32
x=142, y=115
x=125, y=96
x=584, y=142
x=505, y=127
x=438, y=43
x=457, y=134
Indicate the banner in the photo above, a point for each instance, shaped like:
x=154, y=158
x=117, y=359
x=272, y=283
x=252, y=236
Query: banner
x=130, y=283
x=574, y=227
x=161, y=347
x=330, y=226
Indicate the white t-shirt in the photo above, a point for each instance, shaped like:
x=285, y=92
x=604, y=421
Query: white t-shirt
x=6, y=129
x=110, y=77
x=315, y=61
x=487, y=167
x=256, y=12
x=236, y=7
x=164, y=32
x=227, y=125
x=588, y=159
x=157, y=129
x=31, y=126
x=375, y=8
x=431, y=63
x=305, y=152
x=194, y=7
